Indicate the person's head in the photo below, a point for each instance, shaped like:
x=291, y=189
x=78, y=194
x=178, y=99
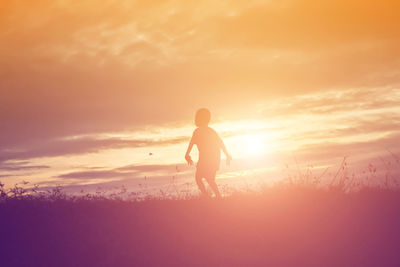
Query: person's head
x=202, y=117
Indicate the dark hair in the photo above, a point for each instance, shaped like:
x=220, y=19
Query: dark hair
x=202, y=117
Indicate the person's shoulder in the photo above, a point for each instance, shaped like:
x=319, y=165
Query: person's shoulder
x=215, y=134
x=196, y=132
x=201, y=131
x=212, y=130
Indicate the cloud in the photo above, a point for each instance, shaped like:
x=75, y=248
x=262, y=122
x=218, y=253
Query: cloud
x=368, y=149
x=149, y=168
x=130, y=171
x=67, y=68
x=308, y=24
x=95, y=175
x=19, y=168
x=20, y=165
x=61, y=147
x=336, y=101
x=371, y=126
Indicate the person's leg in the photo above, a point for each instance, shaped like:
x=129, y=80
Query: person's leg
x=200, y=183
x=211, y=181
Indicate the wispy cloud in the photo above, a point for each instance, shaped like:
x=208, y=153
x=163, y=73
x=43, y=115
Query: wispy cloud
x=331, y=102
x=371, y=149
x=64, y=147
x=20, y=165
x=130, y=171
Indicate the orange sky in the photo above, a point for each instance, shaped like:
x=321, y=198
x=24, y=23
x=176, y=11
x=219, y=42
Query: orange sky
x=89, y=88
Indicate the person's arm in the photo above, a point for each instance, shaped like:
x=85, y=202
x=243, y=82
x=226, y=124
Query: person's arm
x=187, y=156
x=228, y=157
x=189, y=149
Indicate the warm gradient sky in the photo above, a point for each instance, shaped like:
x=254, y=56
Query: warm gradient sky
x=89, y=88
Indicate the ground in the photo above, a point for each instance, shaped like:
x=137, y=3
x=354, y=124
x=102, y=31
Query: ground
x=279, y=227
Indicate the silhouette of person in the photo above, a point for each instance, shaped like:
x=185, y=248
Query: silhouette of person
x=209, y=145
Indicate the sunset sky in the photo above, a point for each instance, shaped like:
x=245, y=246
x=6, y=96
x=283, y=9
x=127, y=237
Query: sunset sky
x=88, y=89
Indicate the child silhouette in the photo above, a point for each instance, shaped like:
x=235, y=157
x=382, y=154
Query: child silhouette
x=209, y=145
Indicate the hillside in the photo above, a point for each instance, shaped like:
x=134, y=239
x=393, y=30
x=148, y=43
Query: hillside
x=279, y=227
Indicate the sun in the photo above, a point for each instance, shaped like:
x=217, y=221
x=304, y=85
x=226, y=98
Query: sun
x=253, y=144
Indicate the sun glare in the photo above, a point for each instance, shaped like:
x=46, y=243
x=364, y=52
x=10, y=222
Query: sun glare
x=253, y=145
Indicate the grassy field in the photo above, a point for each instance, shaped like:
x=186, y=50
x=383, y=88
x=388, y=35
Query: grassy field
x=280, y=226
